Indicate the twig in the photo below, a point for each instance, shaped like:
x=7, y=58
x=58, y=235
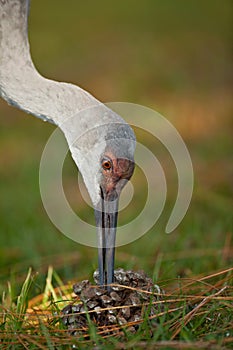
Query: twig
x=177, y=326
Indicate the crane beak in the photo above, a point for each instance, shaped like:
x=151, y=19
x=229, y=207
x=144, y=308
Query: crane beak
x=106, y=223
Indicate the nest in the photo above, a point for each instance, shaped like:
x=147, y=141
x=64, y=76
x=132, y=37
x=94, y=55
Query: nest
x=132, y=297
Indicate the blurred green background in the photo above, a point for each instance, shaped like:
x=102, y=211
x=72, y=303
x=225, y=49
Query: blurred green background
x=172, y=56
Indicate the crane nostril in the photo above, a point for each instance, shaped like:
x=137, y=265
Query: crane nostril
x=108, y=221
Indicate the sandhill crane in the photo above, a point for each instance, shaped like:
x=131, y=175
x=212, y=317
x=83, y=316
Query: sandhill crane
x=102, y=144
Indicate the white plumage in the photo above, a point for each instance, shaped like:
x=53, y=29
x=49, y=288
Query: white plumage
x=97, y=137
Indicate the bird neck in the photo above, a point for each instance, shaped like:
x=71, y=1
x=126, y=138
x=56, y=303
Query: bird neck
x=20, y=83
x=84, y=120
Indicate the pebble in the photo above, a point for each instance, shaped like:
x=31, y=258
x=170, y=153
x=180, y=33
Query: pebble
x=105, y=299
x=135, y=302
x=121, y=320
x=76, y=308
x=126, y=312
x=91, y=304
x=115, y=296
x=112, y=319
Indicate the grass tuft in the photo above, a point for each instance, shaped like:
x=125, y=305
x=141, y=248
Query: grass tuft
x=194, y=313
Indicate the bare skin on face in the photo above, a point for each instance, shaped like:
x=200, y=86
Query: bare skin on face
x=113, y=170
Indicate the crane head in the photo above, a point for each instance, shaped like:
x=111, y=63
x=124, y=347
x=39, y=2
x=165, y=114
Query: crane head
x=115, y=172
x=106, y=161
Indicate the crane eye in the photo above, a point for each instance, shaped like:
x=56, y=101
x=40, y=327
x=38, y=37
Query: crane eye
x=106, y=164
